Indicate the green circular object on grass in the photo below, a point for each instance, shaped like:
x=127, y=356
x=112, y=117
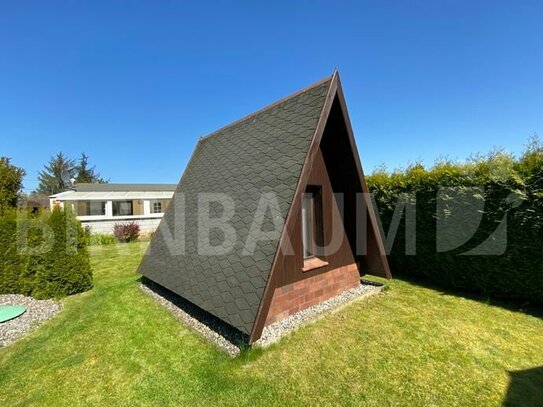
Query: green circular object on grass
x=8, y=312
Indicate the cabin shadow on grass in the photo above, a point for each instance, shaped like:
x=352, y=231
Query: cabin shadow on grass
x=525, y=388
x=518, y=305
x=215, y=324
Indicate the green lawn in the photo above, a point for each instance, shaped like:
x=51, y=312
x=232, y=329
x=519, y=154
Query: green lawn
x=407, y=346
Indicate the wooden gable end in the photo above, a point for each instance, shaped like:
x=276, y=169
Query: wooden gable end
x=333, y=164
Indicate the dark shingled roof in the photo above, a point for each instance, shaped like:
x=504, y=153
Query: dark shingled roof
x=263, y=152
x=89, y=187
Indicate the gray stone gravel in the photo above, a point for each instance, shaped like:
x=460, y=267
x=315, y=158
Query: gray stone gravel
x=233, y=341
x=37, y=311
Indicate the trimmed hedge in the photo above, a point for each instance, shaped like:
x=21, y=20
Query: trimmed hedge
x=498, y=188
x=43, y=256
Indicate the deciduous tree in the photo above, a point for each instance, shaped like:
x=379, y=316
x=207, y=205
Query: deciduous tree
x=11, y=183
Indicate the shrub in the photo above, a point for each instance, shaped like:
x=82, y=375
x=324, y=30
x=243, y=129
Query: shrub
x=11, y=266
x=11, y=183
x=512, y=192
x=44, y=256
x=126, y=232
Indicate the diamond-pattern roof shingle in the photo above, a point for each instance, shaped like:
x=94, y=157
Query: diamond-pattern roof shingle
x=260, y=154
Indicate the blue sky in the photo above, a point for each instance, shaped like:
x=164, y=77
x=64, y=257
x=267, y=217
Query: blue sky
x=134, y=84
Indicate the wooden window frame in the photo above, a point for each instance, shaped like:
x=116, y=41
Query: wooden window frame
x=313, y=256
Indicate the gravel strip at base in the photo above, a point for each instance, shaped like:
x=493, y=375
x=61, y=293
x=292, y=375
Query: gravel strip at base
x=37, y=311
x=274, y=332
x=211, y=328
x=233, y=341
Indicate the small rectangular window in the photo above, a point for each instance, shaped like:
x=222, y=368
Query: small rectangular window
x=122, y=208
x=97, y=208
x=91, y=208
x=156, y=207
x=312, y=232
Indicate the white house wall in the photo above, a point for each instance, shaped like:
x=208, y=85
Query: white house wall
x=106, y=226
x=142, y=201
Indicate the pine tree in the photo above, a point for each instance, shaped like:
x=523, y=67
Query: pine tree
x=50, y=178
x=85, y=173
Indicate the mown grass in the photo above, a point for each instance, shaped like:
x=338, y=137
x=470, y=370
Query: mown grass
x=408, y=346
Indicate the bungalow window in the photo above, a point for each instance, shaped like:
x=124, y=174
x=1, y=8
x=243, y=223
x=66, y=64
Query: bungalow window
x=312, y=233
x=96, y=208
x=156, y=207
x=91, y=208
x=122, y=208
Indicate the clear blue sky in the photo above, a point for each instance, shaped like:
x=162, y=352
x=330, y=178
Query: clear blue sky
x=134, y=84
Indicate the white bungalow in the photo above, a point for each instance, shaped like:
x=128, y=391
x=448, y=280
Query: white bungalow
x=101, y=206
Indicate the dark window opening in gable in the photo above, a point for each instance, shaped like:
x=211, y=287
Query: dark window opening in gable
x=312, y=230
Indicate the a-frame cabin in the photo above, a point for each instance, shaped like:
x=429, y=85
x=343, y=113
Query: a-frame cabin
x=271, y=216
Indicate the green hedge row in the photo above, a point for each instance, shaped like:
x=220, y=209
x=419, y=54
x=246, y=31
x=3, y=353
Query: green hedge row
x=44, y=255
x=475, y=226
